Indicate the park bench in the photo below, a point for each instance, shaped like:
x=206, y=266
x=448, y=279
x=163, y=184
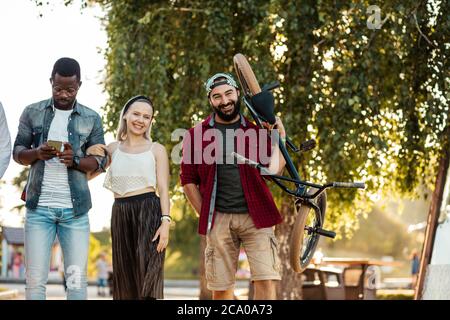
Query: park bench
x=323, y=283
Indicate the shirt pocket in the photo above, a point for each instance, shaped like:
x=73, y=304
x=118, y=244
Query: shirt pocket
x=82, y=143
x=274, y=251
x=37, y=136
x=210, y=264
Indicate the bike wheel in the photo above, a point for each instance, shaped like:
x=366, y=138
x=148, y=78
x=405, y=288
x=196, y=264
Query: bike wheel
x=246, y=76
x=303, y=238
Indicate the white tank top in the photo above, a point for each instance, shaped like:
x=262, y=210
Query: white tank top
x=130, y=172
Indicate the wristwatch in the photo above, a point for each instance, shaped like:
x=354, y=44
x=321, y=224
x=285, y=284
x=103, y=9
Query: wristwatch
x=75, y=162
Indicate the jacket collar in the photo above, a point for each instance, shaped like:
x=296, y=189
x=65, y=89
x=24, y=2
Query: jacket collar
x=210, y=121
x=76, y=107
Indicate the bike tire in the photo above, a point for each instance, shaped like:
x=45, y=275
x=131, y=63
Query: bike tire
x=246, y=76
x=300, y=253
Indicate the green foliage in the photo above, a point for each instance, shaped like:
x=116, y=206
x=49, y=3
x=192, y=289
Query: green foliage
x=99, y=242
x=95, y=249
x=380, y=235
x=369, y=97
x=395, y=295
x=104, y=237
x=183, y=252
x=20, y=182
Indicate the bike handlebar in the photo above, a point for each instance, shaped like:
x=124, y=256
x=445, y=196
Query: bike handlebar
x=359, y=185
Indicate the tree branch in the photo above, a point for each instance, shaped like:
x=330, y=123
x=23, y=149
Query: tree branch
x=420, y=31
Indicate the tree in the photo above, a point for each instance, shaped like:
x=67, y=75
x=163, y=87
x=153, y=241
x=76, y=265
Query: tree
x=374, y=99
x=365, y=97
x=20, y=182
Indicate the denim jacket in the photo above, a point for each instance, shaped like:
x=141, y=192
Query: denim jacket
x=84, y=129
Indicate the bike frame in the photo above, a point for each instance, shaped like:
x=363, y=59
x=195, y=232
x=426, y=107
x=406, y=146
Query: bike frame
x=300, y=193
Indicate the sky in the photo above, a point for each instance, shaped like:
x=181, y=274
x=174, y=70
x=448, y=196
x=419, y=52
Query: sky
x=29, y=46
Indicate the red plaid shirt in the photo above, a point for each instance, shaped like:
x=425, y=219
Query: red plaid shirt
x=260, y=203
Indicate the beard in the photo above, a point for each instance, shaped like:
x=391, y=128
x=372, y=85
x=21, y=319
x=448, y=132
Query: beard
x=63, y=103
x=228, y=116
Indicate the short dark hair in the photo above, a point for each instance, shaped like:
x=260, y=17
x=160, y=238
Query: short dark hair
x=66, y=67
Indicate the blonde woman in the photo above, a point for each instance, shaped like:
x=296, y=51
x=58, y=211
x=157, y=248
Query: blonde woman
x=140, y=218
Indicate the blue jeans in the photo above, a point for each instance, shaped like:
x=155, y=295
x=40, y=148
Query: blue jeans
x=102, y=282
x=41, y=227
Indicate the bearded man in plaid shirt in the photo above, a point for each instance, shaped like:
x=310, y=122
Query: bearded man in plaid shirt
x=233, y=202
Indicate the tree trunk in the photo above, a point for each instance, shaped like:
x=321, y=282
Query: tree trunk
x=432, y=222
x=205, y=294
x=290, y=286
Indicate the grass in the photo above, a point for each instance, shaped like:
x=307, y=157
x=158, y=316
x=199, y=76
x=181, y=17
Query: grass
x=395, y=294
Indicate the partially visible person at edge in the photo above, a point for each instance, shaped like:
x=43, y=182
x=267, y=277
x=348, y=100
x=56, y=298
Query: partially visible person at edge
x=415, y=268
x=5, y=143
x=57, y=194
x=232, y=200
x=102, y=274
x=140, y=218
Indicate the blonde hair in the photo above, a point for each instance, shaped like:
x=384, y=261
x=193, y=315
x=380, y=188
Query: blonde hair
x=122, y=127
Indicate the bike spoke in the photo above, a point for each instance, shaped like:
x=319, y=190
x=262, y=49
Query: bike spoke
x=309, y=235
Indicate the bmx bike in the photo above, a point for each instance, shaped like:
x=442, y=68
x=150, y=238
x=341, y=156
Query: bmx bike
x=310, y=199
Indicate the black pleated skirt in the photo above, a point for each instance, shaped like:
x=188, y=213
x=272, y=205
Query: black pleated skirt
x=138, y=269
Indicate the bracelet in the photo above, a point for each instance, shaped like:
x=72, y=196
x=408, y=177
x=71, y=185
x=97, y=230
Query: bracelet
x=166, y=217
x=283, y=140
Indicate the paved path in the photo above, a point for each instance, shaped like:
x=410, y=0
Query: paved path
x=174, y=290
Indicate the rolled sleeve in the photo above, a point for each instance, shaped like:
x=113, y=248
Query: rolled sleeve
x=189, y=174
x=97, y=136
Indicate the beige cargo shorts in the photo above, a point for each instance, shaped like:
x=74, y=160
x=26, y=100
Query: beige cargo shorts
x=223, y=245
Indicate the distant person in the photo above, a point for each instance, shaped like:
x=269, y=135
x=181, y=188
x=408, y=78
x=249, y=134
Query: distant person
x=415, y=265
x=18, y=267
x=317, y=257
x=110, y=281
x=5, y=142
x=61, y=271
x=102, y=275
x=52, y=138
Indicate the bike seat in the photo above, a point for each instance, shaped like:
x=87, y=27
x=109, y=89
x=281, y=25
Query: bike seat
x=264, y=103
